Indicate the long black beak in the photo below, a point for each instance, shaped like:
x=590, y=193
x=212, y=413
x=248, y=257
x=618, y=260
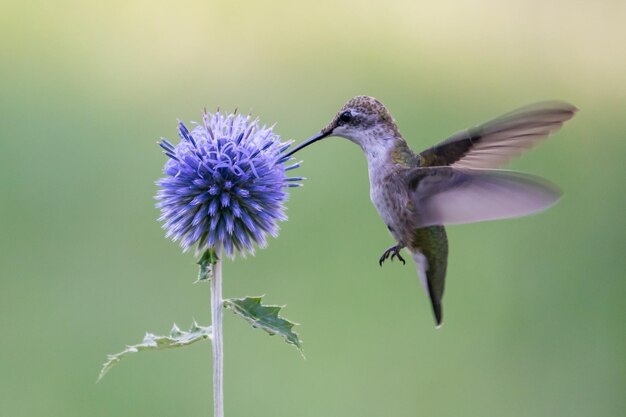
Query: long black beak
x=309, y=141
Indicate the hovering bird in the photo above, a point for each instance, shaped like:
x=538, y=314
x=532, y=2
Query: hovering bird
x=454, y=182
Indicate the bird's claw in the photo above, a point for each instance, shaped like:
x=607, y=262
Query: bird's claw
x=392, y=252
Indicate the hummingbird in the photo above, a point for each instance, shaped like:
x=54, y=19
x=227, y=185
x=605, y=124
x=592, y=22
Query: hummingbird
x=457, y=181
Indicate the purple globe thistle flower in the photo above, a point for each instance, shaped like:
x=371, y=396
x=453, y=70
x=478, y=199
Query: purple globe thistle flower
x=225, y=184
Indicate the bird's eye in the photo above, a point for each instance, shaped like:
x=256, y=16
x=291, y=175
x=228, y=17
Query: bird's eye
x=345, y=117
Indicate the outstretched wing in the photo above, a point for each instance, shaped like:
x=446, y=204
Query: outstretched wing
x=493, y=144
x=447, y=195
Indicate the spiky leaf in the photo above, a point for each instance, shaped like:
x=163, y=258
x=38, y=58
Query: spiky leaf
x=176, y=338
x=207, y=263
x=265, y=317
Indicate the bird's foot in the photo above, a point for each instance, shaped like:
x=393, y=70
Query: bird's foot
x=392, y=252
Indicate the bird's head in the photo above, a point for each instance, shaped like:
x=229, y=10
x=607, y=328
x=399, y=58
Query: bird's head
x=363, y=120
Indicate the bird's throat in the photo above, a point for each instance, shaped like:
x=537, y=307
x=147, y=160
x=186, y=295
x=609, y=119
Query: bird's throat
x=383, y=161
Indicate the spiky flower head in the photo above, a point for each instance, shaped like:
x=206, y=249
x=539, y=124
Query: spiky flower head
x=225, y=184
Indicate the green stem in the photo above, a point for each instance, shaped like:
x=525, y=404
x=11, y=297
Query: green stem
x=218, y=342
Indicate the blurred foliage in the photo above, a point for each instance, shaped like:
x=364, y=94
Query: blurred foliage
x=534, y=306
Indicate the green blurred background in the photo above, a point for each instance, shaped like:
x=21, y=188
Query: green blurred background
x=535, y=323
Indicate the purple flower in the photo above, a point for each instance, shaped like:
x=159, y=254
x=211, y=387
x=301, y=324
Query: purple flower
x=225, y=184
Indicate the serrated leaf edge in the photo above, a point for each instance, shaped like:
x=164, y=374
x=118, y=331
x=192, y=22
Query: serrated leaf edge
x=290, y=336
x=176, y=338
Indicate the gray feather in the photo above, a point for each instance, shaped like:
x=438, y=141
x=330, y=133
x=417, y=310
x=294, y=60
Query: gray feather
x=495, y=143
x=446, y=195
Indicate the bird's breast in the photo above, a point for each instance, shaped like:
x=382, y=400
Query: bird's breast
x=393, y=205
